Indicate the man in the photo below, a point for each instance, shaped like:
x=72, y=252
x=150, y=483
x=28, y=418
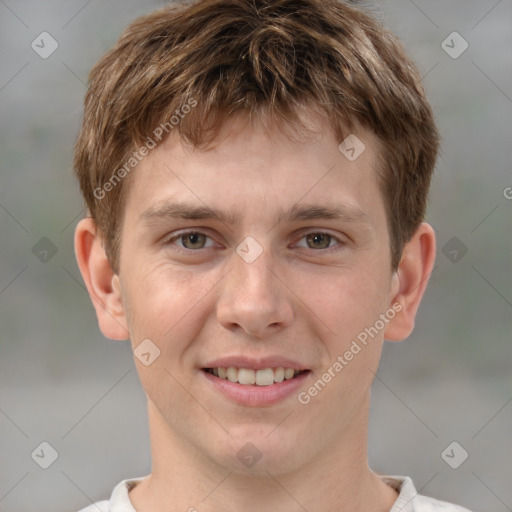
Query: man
x=256, y=175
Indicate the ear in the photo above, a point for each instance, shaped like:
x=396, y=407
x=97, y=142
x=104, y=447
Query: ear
x=101, y=281
x=410, y=280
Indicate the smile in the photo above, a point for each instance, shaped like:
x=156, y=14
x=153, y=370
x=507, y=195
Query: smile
x=255, y=388
x=248, y=376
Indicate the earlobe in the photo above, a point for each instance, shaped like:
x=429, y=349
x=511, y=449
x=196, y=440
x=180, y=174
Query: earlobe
x=410, y=281
x=100, y=280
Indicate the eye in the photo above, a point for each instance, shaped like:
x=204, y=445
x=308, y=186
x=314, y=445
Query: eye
x=190, y=240
x=320, y=240
x=195, y=240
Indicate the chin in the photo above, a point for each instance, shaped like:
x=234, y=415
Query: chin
x=257, y=452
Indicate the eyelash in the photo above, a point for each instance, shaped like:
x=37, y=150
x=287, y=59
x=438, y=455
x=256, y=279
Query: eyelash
x=340, y=244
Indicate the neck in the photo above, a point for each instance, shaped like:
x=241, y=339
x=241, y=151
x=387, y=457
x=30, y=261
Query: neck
x=337, y=479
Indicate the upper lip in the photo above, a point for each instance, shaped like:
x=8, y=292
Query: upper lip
x=255, y=363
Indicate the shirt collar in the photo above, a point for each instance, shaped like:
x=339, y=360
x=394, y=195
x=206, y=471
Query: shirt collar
x=120, y=500
x=407, y=492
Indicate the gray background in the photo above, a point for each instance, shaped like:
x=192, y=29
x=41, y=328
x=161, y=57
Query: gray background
x=62, y=382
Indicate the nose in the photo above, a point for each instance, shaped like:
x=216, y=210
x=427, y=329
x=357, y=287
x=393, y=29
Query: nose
x=253, y=298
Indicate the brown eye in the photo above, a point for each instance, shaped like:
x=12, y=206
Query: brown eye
x=318, y=240
x=193, y=240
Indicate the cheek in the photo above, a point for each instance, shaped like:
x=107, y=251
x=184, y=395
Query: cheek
x=345, y=300
x=157, y=292
x=165, y=307
x=164, y=304
x=350, y=306
x=349, y=302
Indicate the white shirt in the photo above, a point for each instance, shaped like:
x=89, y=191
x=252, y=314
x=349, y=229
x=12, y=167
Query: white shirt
x=408, y=500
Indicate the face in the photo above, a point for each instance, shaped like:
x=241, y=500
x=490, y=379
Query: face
x=262, y=253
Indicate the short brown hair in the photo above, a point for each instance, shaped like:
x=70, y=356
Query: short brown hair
x=256, y=57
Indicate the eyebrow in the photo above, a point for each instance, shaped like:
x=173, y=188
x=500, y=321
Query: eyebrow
x=173, y=210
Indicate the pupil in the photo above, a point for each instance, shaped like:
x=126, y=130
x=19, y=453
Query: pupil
x=319, y=240
x=193, y=239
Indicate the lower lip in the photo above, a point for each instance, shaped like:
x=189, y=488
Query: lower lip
x=256, y=396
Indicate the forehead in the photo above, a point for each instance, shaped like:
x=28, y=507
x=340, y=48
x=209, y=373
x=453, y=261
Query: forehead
x=260, y=168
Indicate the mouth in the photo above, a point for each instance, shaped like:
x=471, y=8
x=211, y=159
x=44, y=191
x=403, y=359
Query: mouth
x=261, y=387
x=251, y=377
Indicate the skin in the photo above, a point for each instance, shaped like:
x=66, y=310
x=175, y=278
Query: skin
x=297, y=300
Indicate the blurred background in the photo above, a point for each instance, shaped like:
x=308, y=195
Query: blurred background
x=63, y=384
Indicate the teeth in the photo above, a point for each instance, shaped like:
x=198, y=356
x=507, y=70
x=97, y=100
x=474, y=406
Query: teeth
x=279, y=374
x=232, y=374
x=247, y=376
x=288, y=373
x=264, y=377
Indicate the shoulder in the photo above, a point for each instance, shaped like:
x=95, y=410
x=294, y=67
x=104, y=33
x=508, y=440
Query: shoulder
x=426, y=504
x=119, y=500
x=100, y=506
x=410, y=501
